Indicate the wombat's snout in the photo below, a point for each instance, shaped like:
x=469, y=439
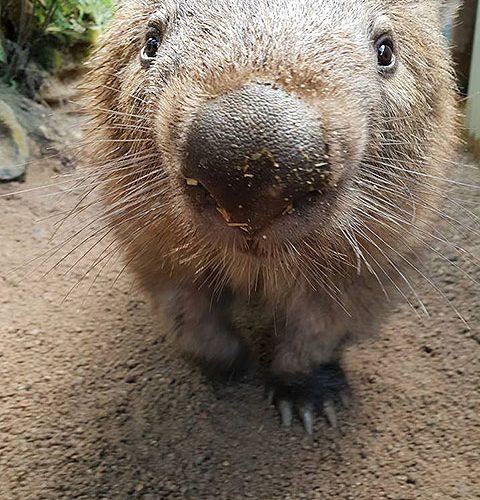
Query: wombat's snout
x=259, y=152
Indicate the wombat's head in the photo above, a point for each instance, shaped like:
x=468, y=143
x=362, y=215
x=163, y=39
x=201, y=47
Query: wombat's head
x=273, y=127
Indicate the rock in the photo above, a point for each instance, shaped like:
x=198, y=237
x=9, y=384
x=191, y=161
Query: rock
x=13, y=146
x=56, y=93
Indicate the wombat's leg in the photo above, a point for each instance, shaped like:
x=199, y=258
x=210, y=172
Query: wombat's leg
x=203, y=331
x=306, y=376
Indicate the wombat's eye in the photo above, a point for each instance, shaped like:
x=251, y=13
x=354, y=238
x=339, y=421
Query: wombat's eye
x=385, y=54
x=150, y=49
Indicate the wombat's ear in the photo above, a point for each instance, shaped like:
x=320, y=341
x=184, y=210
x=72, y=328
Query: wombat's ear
x=448, y=10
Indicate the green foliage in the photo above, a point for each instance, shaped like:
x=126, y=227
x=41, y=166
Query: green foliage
x=42, y=35
x=72, y=20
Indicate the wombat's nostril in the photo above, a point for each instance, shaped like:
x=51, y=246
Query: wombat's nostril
x=257, y=151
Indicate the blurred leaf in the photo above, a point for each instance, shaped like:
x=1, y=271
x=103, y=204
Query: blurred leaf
x=48, y=26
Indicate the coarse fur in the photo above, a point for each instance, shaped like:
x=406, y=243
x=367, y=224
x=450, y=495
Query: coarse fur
x=330, y=272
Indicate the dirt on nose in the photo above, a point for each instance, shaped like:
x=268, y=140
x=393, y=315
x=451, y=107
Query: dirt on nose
x=258, y=151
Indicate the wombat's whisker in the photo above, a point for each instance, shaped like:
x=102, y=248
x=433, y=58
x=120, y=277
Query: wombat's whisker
x=107, y=256
x=420, y=273
x=317, y=278
x=455, y=164
x=130, y=261
x=133, y=96
x=131, y=118
x=97, y=183
x=77, y=177
x=399, y=222
x=127, y=127
x=106, y=259
x=140, y=140
x=417, y=173
x=395, y=269
x=389, y=277
x=426, y=189
x=96, y=231
x=88, y=251
x=127, y=163
x=427, y=223
x=155, y=181
x=32, y=189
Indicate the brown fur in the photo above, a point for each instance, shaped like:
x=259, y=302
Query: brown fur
x=331, y=274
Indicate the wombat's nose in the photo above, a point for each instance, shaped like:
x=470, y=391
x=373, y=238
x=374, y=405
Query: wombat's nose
x=259, y=152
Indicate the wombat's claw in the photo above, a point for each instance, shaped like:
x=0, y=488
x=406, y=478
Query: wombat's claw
x=330, y=413
x=319, y=392
x=286, y=412
x=307, y=416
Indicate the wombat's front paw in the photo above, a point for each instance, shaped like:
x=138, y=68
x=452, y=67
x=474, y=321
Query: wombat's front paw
x=320, y=391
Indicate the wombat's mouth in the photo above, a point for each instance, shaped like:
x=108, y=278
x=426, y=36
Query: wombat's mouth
x=205, y=203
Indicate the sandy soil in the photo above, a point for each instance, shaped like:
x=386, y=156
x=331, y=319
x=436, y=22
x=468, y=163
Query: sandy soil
x=95, y=404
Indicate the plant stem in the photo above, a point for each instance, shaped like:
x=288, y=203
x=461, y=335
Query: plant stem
x=48, y=18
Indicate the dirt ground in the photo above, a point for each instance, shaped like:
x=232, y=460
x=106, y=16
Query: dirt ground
x=95, y=404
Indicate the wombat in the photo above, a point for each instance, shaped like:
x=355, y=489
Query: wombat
x=289, y=150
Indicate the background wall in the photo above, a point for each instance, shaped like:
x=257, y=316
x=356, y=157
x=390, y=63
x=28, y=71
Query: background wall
x=473, y=100
x=462, y=35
